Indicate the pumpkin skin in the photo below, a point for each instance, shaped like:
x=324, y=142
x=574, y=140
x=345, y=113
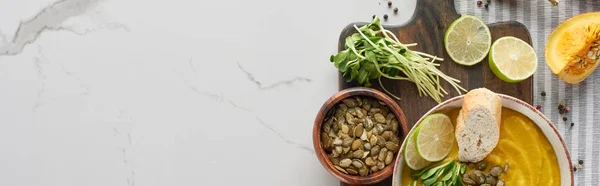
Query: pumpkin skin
x=572, y=48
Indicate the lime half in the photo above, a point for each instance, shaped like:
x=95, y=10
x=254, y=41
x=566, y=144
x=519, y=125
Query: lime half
x=412, y=157
x=434, y=137
x=512, y=59
x=467, y=40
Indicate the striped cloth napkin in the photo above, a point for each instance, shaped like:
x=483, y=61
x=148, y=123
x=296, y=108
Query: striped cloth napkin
x=540, y=17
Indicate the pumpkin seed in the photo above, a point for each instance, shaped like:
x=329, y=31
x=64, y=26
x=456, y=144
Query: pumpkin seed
x=363, y=171
x=380, y=141
x=345, y=163
x=385, y=111
x=358, y=130
x=335, y=153
x=382, y=154
x=352, y=111
x=469, y=181
x=490, y=180
x=352, y=171
x=340, y=169
x=374, y=111
x=334, y=160
x=375, y=150
x=380, y=165
x=366, y=104
x=357, y=164
x=364, y=136
x=369, y=123
x=396, y=140
x=346, y=150
x=349, y=102
x=475, y=175
x=359, y=112
x=394, y=125
x=370, y=162
x=481, y=179
x=389, y=158
x=347, y=142
x=379, y=118
x=496, y=171
x=506, y=167
x=374, y=168
x=332, y=134
x=481, y=165
x=358, y=154
x=485, y=184
x=373, y=139
x=338, y=149
x=500, y=183
x=387, y=135
x=365, y=154
x=367, y=146
x=356, y=144
x=345, y=128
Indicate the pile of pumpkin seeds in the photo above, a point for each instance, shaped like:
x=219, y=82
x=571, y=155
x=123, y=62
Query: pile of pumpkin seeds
x=481, y=178
x=360, y=135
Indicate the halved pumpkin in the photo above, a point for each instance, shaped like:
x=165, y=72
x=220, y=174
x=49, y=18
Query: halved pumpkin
x=573, y=48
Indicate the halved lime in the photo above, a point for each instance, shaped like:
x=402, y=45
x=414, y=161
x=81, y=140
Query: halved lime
x=512, y=59
x=434, y=137
x=467, y=40
x=411, y=156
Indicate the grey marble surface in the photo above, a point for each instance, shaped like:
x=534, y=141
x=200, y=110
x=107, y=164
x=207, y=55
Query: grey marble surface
x=148, y=92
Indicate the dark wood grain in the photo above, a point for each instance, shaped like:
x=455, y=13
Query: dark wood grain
x=427, y=28
x=334, y=100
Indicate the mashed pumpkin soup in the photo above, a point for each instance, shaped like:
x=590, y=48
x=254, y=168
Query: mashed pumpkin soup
x=522, y=146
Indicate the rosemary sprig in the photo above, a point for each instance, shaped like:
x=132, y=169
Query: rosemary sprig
x=374, y=52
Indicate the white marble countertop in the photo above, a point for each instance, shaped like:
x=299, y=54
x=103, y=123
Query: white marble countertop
x=148, y=92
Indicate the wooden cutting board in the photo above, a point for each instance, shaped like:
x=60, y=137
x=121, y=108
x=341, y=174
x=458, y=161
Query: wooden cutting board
x=427, y=28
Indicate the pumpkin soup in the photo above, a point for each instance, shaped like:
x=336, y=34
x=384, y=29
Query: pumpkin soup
x=522, y=146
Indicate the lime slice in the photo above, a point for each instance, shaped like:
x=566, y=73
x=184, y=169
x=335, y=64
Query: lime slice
x=512, y=59
x=411, y=156
x=434, y=137
x=467, y=40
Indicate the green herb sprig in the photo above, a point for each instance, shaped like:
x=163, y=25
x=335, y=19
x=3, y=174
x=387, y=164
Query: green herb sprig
x=374, y=52
x=447, y=174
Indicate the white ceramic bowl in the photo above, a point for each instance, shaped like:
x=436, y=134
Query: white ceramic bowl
x=551, y=133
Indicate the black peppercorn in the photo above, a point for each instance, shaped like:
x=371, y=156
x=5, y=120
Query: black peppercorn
x=373, y=17
x=572, y=124
x=574, y=169
x=543, y=93
x=564, y=118
x=396, y=10
x=389, y=3
x=581, y=162
x=385, y=16
x=486, y=6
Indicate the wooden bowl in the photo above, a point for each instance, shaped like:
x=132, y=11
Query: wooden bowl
x=330, y=103
x=560, y=148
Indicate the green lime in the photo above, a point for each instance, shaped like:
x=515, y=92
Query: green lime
x=512, y=59
x=411, y=156
x=468, y=40
x=434, y=137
